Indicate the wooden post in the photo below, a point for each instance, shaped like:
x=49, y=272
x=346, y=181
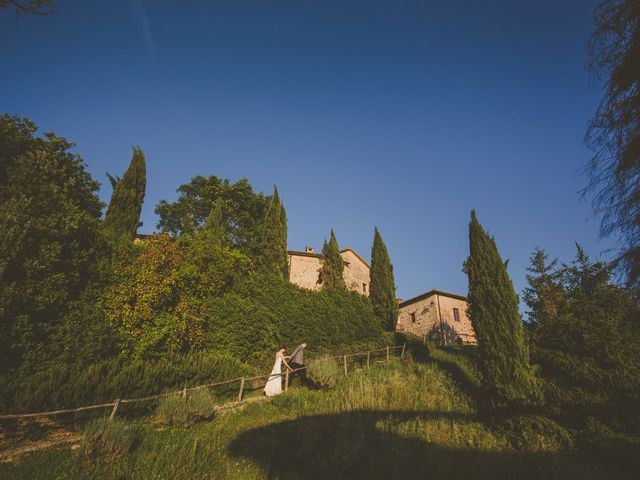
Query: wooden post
x=115, y=409
x=345, y=364
x=387, y=354
x=286, y=380
x=368, y=359
x=241, y=389
x=184, y=391
x=403, y=347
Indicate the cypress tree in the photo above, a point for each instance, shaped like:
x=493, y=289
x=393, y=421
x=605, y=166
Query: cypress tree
x=123, y=214
x=214, y=229
x=271, y=257
x=382, y=290
x=331, y=273
x=493, y=308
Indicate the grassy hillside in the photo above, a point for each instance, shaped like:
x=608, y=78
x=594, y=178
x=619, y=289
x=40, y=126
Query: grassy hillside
x=393, y=421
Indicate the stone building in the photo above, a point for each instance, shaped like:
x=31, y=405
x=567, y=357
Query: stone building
x=304, y=270
x=438, y=316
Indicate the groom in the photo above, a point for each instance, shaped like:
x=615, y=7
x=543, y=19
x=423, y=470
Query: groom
x=296, y=362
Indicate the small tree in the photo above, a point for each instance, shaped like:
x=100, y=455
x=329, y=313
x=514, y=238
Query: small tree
x=123, y=215
x=493, y=308
x=331, y=273
x=382, y=291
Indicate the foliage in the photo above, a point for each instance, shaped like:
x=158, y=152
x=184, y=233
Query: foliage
x=535, y=433
x=332, y=270
x=172, y=410
x=113, y=438
x=243, y=209
x=493, y=308
x=271, y=245
x=382, y=290
x=61, y=385
x=200, y=403
x=123, y=214
x=614, y=131
x=582, y=329
x=49, y=240
x=324, y=372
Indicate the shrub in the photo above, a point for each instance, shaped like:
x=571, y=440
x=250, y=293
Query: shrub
x=172, y=410
x=535, y=433
x=176, y=411
x=111, y=438
x=324, y=372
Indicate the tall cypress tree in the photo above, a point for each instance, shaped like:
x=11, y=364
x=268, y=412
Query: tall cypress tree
x=493, y=308
x=213, y=231
x=382, y=290
x=271, y=257
x=123, y=214
x=332, y=269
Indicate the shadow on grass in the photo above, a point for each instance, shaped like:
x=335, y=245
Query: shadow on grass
x=355, y=445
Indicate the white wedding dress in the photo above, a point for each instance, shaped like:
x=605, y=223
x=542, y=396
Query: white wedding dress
x=274, y=383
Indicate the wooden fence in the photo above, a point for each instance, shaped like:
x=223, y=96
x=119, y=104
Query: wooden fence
x=388, y=351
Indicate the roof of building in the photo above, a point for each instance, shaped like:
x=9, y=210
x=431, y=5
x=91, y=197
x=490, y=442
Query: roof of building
x=318, y=255
x=429, y=294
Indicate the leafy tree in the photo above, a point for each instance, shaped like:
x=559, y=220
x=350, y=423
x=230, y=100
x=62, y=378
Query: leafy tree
x=585, y=343
x=271, y=254
x=331, y=272
x=493, y=308
x=382, y=290
x=123, y=214
x=243, y=209
x=214, y=230
x=49, y=240
x=43, y=8
x=614, y=131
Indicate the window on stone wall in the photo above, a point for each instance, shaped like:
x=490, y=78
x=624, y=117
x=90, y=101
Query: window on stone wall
x=364, y=287
x=456, y=314
x=413, y=318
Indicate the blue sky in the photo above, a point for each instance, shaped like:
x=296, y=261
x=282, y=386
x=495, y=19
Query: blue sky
x=400, y=114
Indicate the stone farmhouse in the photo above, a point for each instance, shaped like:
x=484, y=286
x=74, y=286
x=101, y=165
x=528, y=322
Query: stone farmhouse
x=438, y=316
x=304, y=270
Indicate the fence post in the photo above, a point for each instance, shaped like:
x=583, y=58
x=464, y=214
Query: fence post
x=368, y=359
x=403, y=347
x=286, y=380
x=115, y=409
x=184, y=391
x=387, y=354
x=345, y=364
x=241, y=389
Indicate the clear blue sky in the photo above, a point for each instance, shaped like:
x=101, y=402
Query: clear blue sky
x=400, y=114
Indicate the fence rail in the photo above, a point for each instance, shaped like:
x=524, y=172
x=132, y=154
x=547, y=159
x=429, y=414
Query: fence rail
x=116, y=403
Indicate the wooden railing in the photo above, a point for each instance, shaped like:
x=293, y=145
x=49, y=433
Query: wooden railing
x=184, y=392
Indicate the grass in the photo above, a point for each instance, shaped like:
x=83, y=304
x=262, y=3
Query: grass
x=393, y=421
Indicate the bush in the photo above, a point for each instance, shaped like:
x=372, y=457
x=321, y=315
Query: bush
x=176, y=411
x=72, y=385
x=172, y=410
x=324, y=372
x=535, y=433
x=111, y=438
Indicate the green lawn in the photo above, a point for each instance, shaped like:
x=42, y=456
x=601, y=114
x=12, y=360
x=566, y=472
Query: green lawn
x=393, y=421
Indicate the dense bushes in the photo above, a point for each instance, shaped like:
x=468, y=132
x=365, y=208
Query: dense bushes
x=265, y=313
x=110, y=438
x=70, y=385
x=324, y=372
x=177, y=411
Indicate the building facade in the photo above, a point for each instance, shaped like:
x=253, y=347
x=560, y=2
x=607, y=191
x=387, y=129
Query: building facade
x=304, y=270
x=437, y=316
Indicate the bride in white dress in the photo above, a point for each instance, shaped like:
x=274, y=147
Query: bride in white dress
x=274, y=383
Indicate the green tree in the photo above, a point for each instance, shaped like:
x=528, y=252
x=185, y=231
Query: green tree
x=332, y=270
x=493, y=308
x=243, y=209
x=614, y=131
x=271, y=245
x=585, y=343
x=214, y=231
x=49, y=239
x=382, y=290
x=123, y=214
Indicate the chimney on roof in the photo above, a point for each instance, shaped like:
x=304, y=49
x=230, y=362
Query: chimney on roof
x=308, y=249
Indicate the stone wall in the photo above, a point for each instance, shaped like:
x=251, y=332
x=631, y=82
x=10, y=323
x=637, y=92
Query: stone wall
x=356, y=272
x=433, y=316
